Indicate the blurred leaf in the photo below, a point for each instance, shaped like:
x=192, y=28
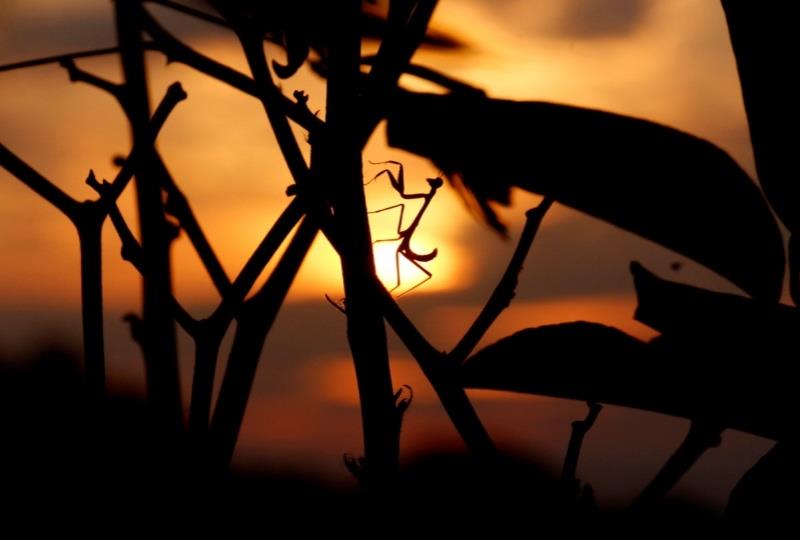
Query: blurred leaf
x=767, y=49
x=660, y=183
x=304, y=25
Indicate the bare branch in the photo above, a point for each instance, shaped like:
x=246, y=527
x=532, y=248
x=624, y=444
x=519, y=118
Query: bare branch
x=77, y=74
x=177, y=51
x=257, y=261
x=131, y=250
x=431, y=75
x=175, y=94
x=178, y=206
x=196, y=13
x=701, y=437
x=504, y=292
x=38, y=183
x=61, y=57
x=408, y=22
x=579, y=430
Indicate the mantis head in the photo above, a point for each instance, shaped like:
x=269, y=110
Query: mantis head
x=435, y=183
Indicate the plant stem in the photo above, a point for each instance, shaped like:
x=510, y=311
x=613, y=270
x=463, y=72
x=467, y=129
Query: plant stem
x=504, y=292
x=442, y=376
x=160, y=351
x=341, y=161
x=569, y=472
x=253, y=324
x=701, y=437
x=90, y=228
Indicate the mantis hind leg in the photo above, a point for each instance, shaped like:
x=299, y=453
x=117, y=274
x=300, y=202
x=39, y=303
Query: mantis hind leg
x=427, y=273
x=397, y=269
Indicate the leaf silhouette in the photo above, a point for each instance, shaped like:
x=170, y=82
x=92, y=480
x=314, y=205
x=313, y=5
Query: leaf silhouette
x=675, y=308
x=660, y=183
x=738, y=350
x=670, y=375
x=566, y=360
x=764, y=41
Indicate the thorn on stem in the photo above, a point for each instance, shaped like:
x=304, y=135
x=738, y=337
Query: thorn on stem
x=356, y=466
x=403, y=398
x=91, y=181
x=173, y=230
x=340, y=305
x=136, y=325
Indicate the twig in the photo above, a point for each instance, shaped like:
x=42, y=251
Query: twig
x=39, y=184
x=255, y=264
x=504, y=292
x=77, y=74
x=408, y=23
x=441, y=375
x=178, y=206
x=579, y=430
x=214, y=328
x=196, y=13
x=131, y=251
x=174, y=95
x=177, y=51
x=159, y=343
x=272, y=100
x=254, y=323
x=701, y=437
x=431, y=75
x=88, y=218
x=61, y=57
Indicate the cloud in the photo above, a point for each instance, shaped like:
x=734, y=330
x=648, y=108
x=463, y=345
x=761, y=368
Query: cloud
x=589, y=19
x=570, y=19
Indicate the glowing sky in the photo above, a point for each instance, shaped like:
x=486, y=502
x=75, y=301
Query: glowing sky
x=664, y=60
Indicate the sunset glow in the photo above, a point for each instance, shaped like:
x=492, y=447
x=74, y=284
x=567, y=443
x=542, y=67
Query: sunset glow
x=670, y=63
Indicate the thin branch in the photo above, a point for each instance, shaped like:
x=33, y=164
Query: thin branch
x=271, y=99
x=61, y=57
x=254, y=323
x=196, y=13
x=407, y=26
x=177, y=51
x=77, y=74
x=701, y=437
x=412, y=338
x=579, y=430
x=174, y=95
x=178, y=206
x=131, y=249
x=431, y=75
x=258, y=260
x=38, y=183
x=440, y=374
x=208, y=343
x=504, y=292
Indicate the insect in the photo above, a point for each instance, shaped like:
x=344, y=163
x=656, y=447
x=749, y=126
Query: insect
x=405, y=234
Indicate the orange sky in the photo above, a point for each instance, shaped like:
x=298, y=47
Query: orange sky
x=665, y=60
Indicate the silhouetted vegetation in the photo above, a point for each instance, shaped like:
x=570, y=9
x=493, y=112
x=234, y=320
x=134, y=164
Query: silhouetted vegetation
x=720, y=360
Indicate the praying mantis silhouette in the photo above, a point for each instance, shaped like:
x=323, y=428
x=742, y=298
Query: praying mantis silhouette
x=405, y=234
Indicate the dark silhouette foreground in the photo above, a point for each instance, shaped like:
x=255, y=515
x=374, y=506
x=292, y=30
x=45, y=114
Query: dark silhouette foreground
x=61, y=453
